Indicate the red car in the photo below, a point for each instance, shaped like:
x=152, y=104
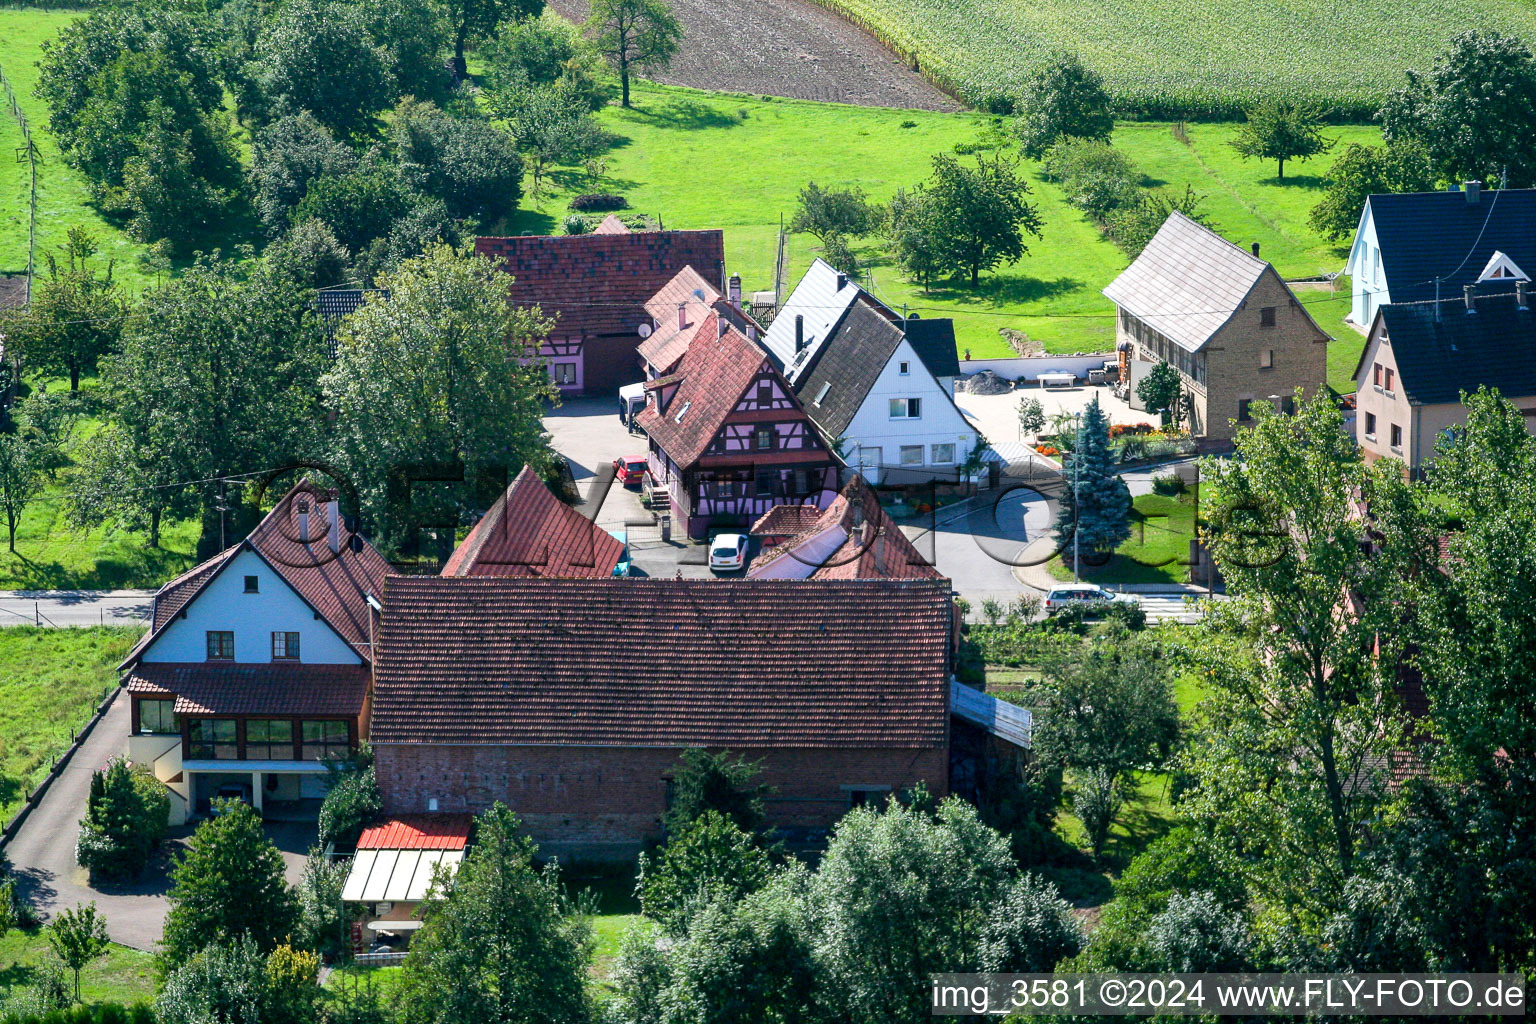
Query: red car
x=630, y=469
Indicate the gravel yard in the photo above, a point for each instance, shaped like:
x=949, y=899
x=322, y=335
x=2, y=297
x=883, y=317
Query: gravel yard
x=786, y=48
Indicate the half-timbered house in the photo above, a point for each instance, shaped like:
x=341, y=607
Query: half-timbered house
x=728, y=438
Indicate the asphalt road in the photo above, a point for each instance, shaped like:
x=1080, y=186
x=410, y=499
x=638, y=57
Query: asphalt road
x=75, y=607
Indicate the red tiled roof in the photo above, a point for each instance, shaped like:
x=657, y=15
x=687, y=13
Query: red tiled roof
x=274, y=688
x=599, y=284
x=786, y=521
x=659, y=662
x=335, y=583
x=530, y=532
x=669, y=341
x=714, y=375
x=875, y=549
x=418, y=832
x=611, y=225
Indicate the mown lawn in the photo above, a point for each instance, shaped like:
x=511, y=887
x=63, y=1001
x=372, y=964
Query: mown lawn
x=123, y=975
x=51, y=681
x=1158, y=548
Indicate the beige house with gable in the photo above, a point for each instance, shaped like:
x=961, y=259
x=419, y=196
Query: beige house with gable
x=1221, y=316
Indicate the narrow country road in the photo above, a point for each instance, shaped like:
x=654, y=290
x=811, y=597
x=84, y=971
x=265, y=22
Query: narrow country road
x=74, y=607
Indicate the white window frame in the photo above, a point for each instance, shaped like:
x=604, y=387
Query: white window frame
x=934, y=454
x=906, y=405
x=904, y=368
x=908, y=448
x=869, y=458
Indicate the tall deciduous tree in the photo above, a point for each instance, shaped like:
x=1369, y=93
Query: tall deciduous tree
x=1470, y=110
x=1280, y=130
x=1301, y=659
x=503, y=943
x=710, y=860
x=79, y=938
x=321, y=56
x=1160, y=389
x=287, y=154
x=227, y=885
x=830, y=213
x=1064, y=99
x=441, y=371
x=1095, y=508
x=472, y=19
x=1362, y=171
x=975, y=217
x=716, y=782
x=468, y=163
x=634, y=35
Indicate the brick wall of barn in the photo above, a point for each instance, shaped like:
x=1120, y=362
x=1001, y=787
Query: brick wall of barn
x=605, y=802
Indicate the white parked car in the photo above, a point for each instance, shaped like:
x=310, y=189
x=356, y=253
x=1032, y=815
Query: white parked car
x=728, y=552
x=1069, y=594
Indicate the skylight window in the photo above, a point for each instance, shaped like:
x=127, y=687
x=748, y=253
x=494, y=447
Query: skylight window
x=823, y=392
x=679, y=417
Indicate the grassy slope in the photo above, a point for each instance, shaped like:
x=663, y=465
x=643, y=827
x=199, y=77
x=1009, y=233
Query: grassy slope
x=122, y=976
x=710, y=160
x=63, y=194
x=1207, y=54
x=51, y=680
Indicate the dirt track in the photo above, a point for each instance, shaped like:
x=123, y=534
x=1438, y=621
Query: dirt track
x=786, y=48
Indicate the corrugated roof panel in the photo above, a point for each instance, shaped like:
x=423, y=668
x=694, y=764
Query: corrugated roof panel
x=421, y=881
x=399, y=885
x=378, y=878
x=357, y=878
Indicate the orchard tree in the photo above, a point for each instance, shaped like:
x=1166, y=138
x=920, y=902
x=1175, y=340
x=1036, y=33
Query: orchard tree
x=1031, y=416
x=467, y=162
x=287, y=155
x=1161, y=389
x=830, y=213
x=1095, y=505
x=710, y=860
x=320, y=56
x=634, y=35
x=1280, y=130
x=478, y=19
x=550, y=126
x=76, y=313
x=978, y=216
x=440, y=370
x=1063, y=99
x=228, y=884
x=358, y=206
x=1470, y=110
x=1363, y=171
x=502, y=943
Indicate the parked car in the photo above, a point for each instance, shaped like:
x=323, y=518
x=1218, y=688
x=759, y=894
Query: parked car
x=1070, y=594
x=230, y=791
x=728, y=552
x=630, y=469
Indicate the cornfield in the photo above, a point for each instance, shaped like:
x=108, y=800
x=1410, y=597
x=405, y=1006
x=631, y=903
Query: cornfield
x=1170, y=61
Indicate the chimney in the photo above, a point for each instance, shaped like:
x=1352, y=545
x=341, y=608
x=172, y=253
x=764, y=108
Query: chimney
x=734, y=291
x=751, y=331
x=303, y=520
x=1255, y=248
x=682, y=316
x=333, y=516
x=1469, y=296
x=799, y=333
x=1522, y=294
x=721, y=326
x=1474, y=190
x=842, y=280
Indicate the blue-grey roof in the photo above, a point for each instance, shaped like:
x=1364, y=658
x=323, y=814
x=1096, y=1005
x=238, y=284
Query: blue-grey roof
x=1425, y=235
x=934, y=343
x=1439, y=358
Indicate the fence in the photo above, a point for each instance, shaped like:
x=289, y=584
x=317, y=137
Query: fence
x=26, y=134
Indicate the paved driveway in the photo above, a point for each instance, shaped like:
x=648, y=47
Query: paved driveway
x=42, y=854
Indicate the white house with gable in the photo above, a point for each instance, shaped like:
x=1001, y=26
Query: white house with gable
x=864, y=383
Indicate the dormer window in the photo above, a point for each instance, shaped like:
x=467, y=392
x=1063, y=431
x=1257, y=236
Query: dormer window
x=221, y=645
x=1501, y=268
x=252, y=584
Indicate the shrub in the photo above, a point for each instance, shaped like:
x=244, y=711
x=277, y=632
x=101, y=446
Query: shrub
x=352, y=799
x=575, y=224
x=599, y=202
x=125, y=820
x=1096, y=177
x=709, y=861
x=1168, y=484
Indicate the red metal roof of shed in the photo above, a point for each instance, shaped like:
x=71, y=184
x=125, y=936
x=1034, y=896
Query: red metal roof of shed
x=418, y=832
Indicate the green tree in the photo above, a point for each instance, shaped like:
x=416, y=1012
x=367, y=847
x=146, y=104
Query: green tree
x=1469, y=110
x=323, y=918
x=551, y=126
x=1302, y=715
x=292, y=985
x=223, y=983
x=1096, y=177
x=1031, y=416
x=1106, y=712
x=535, y=52
x=125, y=820
x=287, y=154
x=359, y=206
x=79, y=938
x=468, y=163
x=978, y=216
x=76, y=313
x=502, y=944
x=475, y=19
x=216, y=376
x=169, y=193
x=1095, y=506
x=320, y=56
x=834, y=213
x=1132, y=226
x=228, y=884
x=1280, y=130
x=1063, y=99
x=634, y=35
x=351, y=798
x=441, y=370
x=415, y=38
x=708, y=861
x=309, y=256
x=1362, y=171
x=1196, y=933
x=1161, y=389
x=912, y=232
x=716, y=782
